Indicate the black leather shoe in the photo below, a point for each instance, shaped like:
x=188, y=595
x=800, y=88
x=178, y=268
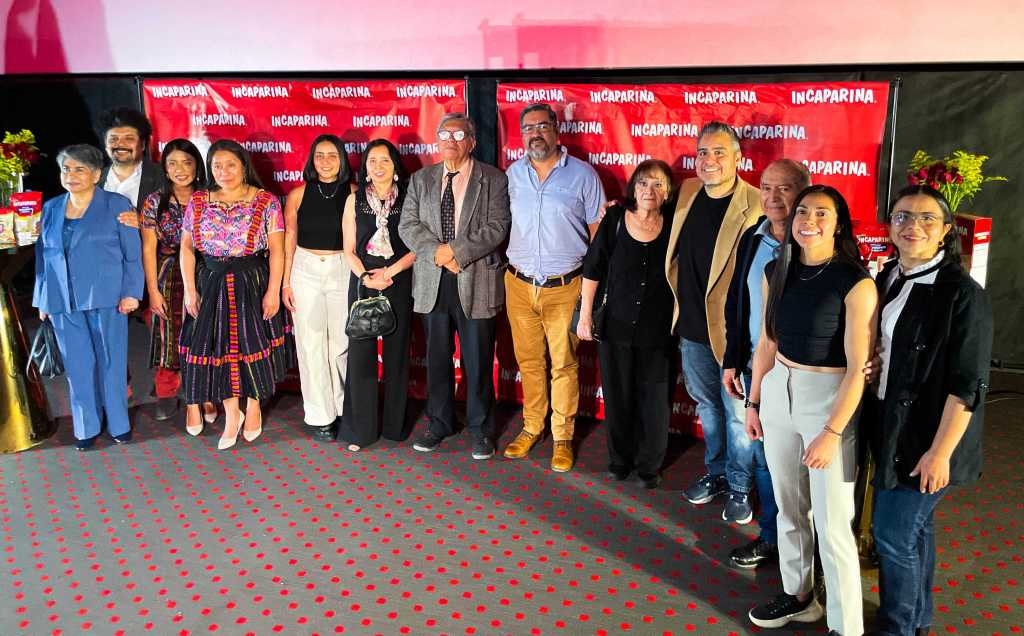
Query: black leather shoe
x=651, y=481
x=85, y=444
x=166, y=408
x=618, y=473
x=323, y=433
x=123, y=438
x=755, y=553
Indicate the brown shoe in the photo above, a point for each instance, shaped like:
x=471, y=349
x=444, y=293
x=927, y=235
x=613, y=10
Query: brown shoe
x=561, y=456
x=521, y=445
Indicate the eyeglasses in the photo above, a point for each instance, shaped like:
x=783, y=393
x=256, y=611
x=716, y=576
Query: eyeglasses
x=925, y=220
x=445, y=135
x=542, y=127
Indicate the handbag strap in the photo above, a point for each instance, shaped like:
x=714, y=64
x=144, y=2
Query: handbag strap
x=608, y=274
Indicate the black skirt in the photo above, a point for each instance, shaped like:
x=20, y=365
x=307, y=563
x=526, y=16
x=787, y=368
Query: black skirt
x=229, y=350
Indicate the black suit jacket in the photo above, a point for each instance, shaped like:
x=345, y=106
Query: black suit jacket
x=941, y=346
x=152, y=179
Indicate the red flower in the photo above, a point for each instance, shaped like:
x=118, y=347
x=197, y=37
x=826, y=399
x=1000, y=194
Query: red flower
x=948, y=177
x=959, y=179
x=922, y=173
x=912, y=180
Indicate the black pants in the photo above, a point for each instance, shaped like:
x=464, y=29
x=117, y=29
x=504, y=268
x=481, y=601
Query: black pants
x=359, y=424
x=476, y=340
x=637, y=396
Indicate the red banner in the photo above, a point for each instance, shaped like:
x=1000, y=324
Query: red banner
x=834, y=128
x=276, y=120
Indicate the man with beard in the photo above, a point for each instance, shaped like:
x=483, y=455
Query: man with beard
x=126, y=134
x=712, y=212
x=556, y=202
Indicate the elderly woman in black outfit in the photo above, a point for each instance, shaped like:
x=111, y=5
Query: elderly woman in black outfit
x=635, y=348
x=926, y=414
x=381, y=262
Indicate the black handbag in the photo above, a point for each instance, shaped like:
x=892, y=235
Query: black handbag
x=45, y=354
x=597, y=314
x=371, y=317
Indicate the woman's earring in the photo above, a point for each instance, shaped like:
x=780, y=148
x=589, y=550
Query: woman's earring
x=394, y=178
x=368, y=179
x=941, y=242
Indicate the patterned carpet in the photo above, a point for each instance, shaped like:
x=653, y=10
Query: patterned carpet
x=287, y=535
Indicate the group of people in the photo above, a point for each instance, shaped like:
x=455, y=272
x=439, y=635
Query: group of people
x=791, y=351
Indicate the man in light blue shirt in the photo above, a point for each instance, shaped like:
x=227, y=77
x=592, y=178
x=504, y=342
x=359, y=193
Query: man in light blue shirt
x=556, y=202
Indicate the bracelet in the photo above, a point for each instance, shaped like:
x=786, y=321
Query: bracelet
x=833, y=431
x=747, y=404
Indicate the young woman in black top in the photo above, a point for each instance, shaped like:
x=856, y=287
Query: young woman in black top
x=627, y=254
x=379, y=261
x=315, y=287
x=925, y=415
x=806, y=389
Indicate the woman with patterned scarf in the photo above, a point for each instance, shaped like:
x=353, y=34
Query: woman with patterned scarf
x=380, y=261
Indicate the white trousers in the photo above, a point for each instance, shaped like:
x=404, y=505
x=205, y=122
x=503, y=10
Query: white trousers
x=320, y=286
x=795, y=405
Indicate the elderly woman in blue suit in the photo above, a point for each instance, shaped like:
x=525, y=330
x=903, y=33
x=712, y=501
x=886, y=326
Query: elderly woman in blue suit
x=88, y=278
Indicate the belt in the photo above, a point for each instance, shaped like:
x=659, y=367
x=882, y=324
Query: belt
x=552, y=281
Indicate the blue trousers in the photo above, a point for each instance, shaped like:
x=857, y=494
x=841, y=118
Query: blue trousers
x=758, y=466
x=905, y=540
x=94, y=345
x=728, y=450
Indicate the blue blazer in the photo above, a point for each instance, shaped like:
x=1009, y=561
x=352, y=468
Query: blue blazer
x=103, y=262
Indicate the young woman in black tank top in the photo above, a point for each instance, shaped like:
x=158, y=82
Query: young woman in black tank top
x=315, y=287
x=380, y=263
x=818, y=332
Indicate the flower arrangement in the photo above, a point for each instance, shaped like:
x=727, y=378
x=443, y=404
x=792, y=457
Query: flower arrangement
x=17, y=153
x=957, y=177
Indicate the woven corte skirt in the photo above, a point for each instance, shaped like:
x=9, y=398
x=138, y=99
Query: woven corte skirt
x=229, y=350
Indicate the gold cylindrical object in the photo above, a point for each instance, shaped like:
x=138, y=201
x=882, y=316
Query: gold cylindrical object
x=24, y=413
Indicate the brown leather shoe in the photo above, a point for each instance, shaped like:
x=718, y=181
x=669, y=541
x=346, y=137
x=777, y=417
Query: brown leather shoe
x=561, y=456
x=521, y=445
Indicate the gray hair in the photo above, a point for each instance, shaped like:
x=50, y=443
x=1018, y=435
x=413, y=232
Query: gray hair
x=798, y=170
x=532, y=108
x=82, y=153
x=459, y=117
x=714, y=127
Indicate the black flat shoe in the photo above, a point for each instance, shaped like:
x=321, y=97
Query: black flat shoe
x=85, y=444
x=123, y=438
x=323, y=433
x=166, y=408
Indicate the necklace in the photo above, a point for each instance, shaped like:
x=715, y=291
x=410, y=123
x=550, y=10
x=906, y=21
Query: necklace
x=337, y=186
x=817, y=273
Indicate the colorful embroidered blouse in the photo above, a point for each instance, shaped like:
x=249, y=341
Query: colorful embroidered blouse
x=223, y=229
x=166, y=224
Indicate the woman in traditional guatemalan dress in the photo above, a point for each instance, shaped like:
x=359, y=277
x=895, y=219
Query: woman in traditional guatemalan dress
x=161, y=235
x=235, y=341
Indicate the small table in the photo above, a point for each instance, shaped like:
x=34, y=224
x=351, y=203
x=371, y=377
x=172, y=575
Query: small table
x=24, y=413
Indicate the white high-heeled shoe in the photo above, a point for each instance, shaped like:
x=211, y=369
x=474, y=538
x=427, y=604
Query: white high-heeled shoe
x=225, y=442
x=251, y=436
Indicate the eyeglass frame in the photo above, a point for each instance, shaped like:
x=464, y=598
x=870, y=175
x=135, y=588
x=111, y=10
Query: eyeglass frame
x=455, y=135
x=917, y=218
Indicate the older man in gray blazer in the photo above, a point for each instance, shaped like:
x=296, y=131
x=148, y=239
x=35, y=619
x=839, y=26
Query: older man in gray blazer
x=456, y=218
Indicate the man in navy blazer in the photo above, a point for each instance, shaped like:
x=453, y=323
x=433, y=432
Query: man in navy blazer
x=88, y=278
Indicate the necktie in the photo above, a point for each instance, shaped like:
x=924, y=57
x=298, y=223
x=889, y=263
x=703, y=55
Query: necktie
x=448, y=211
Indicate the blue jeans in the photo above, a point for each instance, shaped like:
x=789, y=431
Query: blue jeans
x=728, y=450
x=763, y=483
x=905, y=541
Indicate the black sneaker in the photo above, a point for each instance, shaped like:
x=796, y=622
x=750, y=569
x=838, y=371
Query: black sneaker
x=85, y=444
x=619, y=473
x=706, y=488
x=754, y=554
x=785, y=608
x=651, y=482
x=123, y=438
x=737, y=508
x=323, y=433
x=483, y=448
x=428, y=441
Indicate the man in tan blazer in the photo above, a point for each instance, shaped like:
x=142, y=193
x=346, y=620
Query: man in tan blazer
x=713, y=211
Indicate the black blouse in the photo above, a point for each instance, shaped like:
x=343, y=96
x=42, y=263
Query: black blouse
x=639, y=306
x=366, y=227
